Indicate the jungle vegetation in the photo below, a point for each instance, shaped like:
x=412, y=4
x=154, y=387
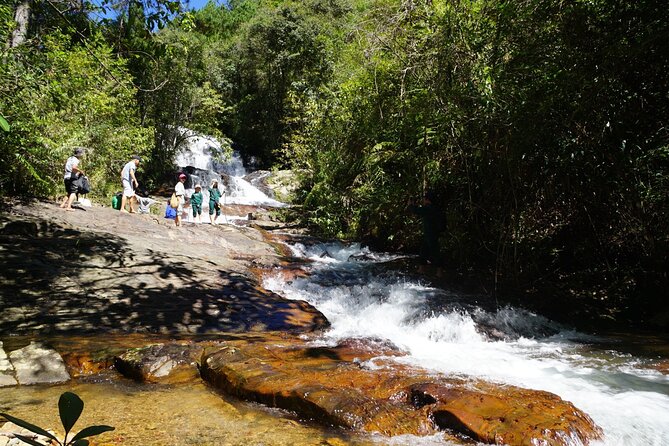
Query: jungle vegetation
x=540, y=126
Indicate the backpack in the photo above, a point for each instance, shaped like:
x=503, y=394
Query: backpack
x=116, y=201
x=174, y=201
x=170, y=212
x=83, y=185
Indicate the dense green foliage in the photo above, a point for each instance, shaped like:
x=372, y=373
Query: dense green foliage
x=539, y=125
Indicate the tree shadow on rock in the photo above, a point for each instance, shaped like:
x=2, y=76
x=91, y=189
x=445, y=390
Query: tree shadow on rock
x=59, y=280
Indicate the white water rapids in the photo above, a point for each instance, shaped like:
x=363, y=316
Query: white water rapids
x=441, y=331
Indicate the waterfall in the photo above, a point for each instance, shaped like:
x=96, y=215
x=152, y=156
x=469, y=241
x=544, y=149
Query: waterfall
x=461, y=335
x=201, y=160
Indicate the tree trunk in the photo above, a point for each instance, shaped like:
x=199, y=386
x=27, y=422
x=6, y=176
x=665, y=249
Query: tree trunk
x=22, y=19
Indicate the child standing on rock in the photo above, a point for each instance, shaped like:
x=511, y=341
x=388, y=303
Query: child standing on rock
x=196, y=203
x=214, y=205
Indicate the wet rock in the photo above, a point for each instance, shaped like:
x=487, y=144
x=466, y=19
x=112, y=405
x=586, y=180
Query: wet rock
x=36, y=364
x=166, y=363
x=258, y=179
x=6, y=370
x=505, y=414
x=359, y=387
x=86, y=363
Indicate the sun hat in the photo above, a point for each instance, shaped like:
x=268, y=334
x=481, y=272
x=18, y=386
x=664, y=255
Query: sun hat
x=136, y=157
x=197, y=186
x=183, y=175
x=214, y=181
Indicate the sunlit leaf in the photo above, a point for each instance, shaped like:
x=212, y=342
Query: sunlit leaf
x=4, y=124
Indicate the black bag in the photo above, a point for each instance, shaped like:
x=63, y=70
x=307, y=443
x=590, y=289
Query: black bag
x=83, y=185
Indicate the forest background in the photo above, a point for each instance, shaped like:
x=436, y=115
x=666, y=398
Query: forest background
x=540, y=126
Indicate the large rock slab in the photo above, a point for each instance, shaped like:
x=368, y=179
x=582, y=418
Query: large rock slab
x=349, y=386
x=35, y=364
x=65, y=273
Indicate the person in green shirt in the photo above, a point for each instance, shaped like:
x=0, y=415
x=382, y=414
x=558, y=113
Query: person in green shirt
x=214, y=205
x=196, y=203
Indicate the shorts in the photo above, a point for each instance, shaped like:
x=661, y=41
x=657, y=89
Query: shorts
x=197, y=209
x=70, y=187
x=180, y=208
x=213, y=206
x=128, y=190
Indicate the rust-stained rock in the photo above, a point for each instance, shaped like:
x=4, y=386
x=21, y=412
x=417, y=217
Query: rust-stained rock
x=166, y=363
x=86, y=363
x=350, y=385
x=505, y=414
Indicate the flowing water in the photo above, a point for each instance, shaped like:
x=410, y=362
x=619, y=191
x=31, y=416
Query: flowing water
x=202, y=159
x=609, y=377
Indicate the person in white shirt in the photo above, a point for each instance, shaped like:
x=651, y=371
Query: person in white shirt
x=129, y=182
x=180, y=192
x=72, y=172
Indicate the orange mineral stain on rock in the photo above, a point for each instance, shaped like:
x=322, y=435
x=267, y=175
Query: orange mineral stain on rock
x=340, y=386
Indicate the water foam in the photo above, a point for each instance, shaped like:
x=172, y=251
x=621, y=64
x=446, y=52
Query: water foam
x=630, y=402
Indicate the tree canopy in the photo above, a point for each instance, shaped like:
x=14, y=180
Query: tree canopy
x=539, y=126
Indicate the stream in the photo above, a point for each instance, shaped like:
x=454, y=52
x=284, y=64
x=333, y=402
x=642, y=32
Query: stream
x=611, y=377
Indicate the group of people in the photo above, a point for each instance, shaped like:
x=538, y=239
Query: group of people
x=130, y=185
x=196, y=200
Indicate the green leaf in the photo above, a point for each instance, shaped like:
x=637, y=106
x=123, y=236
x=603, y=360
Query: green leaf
x=70, y=407
x=28, y=440
x=4, y=124
x=92, y=430
x=80, y=443
x=31, y=427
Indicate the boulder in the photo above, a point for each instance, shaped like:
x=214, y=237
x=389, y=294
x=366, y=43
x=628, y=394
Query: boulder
x=37, y=364
x=356, y=385
x=505, y=414
x=166, y=363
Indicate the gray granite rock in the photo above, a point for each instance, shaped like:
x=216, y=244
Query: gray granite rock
x=38, y=364
x=6, y=370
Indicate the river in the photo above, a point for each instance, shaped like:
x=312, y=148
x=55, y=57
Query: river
x=609, y=376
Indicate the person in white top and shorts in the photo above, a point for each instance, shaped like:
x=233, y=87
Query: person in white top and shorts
x=129, y=182
x=180, y=192
x=72, y=172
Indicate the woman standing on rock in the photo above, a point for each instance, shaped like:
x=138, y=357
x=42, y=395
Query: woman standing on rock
x=214, y=197
x=180, y=192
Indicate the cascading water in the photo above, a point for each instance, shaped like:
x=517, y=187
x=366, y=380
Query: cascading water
x=200, y=160
x=446, y=332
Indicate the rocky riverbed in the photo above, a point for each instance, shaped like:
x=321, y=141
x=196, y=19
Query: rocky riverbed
x=97, y=293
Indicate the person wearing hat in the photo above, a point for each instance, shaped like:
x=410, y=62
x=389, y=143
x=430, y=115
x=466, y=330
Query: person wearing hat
x=72, y=172
x=180, y=192
x=129, y=182
x=196, y=203
x=214, y=197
